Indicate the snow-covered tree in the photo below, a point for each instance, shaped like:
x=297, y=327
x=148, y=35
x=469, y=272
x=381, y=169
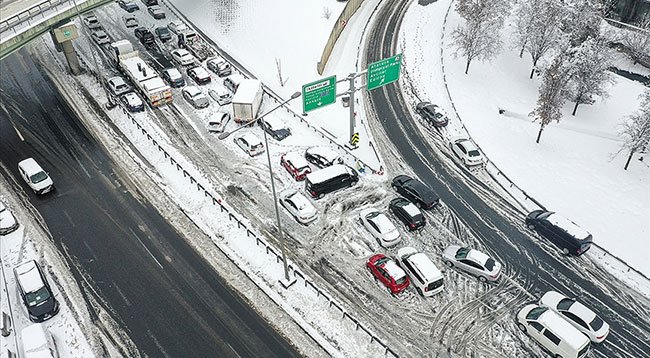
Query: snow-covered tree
x=581, y=20
x=551, y=98
x=537, y=27
x=479, y=38
x=636, y=129
x=638, y=42
x=588, y=65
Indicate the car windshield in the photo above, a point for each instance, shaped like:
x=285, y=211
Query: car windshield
x=401, y=281
x=544, y=215
x=462, y=253
x=38, y=177
x=565, y=304
x=489, y=264
x=37, y=297
x=536, y=312
x=596, y=324
x=435, y=284
x=163, y=31
x=372, y=215
x=473, y=153
x=381, y=261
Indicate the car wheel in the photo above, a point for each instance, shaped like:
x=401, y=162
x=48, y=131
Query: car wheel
x=522, y=328
x=531, y=226
x=482, y=279
x=394, y=187
x=389, y=291
x=565, y=251
x=419, y=291
x=449, y=264
x=321, y=195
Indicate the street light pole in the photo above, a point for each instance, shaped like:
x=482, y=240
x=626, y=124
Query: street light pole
x=287, y=281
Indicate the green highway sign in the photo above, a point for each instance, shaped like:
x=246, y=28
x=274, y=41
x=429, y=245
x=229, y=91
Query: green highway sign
x=384, y=72
x=319, y=93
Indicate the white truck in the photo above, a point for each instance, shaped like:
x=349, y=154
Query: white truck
x=247, y=100
x=155, y=91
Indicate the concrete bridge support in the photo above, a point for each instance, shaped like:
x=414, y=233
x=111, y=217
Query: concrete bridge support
x=62, y=37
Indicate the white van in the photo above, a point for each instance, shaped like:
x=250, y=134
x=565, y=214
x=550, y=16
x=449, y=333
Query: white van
x=554, y=333
x=425, y=276
x=35, y=176
x=37, y=342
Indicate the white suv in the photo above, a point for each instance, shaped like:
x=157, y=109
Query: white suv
x=424, y=275
x=35, y=176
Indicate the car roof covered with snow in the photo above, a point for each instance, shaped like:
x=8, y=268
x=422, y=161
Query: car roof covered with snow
x=326, y=152
x=300, y=200
x=393, y=270
x=173, y=73
x=200, y=71
x=250, y=138
x=275, y=123
x=425, y=265
x=296, y=159
x=411, y=209
x=383, y=223
x=30, y=278
x=30, y=166
x=327, y=173
x=181, y=52
x=35, y=343
x=563, y=328
x=477, y=256
x=569, y=226
x=133, y=99
x=192, y=90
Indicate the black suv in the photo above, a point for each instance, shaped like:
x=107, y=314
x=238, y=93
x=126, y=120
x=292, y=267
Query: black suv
x=35, y=292
x=407, y=213
x=564, y=233
x=432, y=114
x=415, y=191
x=145, y=36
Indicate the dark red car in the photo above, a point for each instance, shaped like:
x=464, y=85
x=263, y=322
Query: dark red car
x=296, y=165
x=388, y=272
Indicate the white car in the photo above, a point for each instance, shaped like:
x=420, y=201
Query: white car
x=195, y=97
x=467, y=152
x=425, y=276
x=183, y=57
x=221, y=95
x=100, y=37
x=581, y=317
x=37, y=342
x=472, y=261
x=249, y=143
x=8, y=223
x=380, y=226
x=130, y=21
x=298, y=206
x=177, y=27
x=35, y=176
x=132, y=102
x=91, y=22
x=117, y=86
x=219, y=66
x=322, y=157
x=217, y=122
x=200, y=75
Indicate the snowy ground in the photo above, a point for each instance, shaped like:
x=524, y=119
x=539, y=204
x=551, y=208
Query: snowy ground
x=73, y=332
x=574, y=169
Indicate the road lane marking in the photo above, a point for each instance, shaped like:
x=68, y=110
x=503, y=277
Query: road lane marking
x=69, y=218
x=20, y=135
x=145, y=247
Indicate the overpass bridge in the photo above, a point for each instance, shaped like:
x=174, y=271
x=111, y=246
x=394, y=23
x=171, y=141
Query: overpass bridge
x=24, y=20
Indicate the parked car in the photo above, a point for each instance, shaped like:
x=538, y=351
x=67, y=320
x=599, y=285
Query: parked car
x=407, y=213
x=232, y=82
x=580, y=317
x=145, y=36
x=132, y=102
x=432, y=114
x=117, y=86
x=249, y=143
x=415, y=191
x=8, y=222
x=330, y=179
x=424, y=275
x=380, y=227
x=150, y=2
x=35, y=292
x=129, y=6
x=217, y=122
x=551, y=331
x=92, y=22
x=564, y=233
x=322, y=157
x=194, y=96
x=296, y=165
x=100, y=37
x=173, y=77
x=199, y=75
x=156, y=12
x=183, y=57
x=177, y=27
x=163, y=34
x=219, y=66
x=221, y=95
x=37, y=178
x=275, y=127
x=298, y=206
x=472, y=261
x=37, y=342
x=467, y=152
x=388, y=273
x=130, y=21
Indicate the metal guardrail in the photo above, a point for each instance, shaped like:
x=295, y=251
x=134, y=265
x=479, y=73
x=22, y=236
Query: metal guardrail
x=26, y=15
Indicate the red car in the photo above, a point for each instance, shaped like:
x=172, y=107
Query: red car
x=388, y=272
x=296, y=165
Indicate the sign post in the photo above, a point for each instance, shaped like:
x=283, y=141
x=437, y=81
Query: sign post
x=318, y=94
x=383, y=72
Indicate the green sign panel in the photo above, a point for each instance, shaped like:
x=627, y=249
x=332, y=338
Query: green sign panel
x=384, y=72
x=319, y=93
x=67, y=33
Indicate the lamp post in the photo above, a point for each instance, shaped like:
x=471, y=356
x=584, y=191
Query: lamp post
x=287, y=281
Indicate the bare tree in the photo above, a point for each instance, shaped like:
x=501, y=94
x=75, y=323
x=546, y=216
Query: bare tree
x=278, y=65
x=636, y=129
x=551, y=99
x=637, y=42
x=479, y=37
x=327, y=13
x=589, y=65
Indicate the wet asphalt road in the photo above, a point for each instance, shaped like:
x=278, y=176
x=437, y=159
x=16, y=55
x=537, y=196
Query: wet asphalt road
x=133, y=263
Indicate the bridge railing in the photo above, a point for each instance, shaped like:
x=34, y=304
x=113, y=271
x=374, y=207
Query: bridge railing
x=12, y=23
